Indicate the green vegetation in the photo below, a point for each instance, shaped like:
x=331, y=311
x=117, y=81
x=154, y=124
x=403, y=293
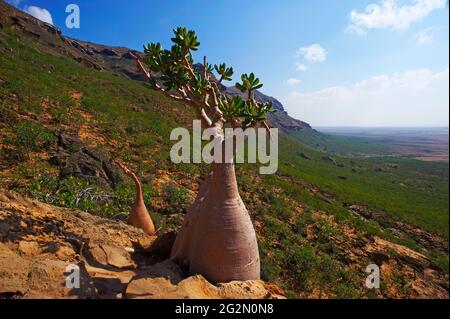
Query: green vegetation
x=74, y=192
x=412, y=190
x=29, y=136
x=345, y=145
x=177, y=199
x=36, y=102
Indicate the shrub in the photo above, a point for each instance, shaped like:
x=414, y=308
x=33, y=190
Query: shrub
x=30, y=136
x=176, y=199
x=73, y=192
x=270, y=271
x=302, y=261
x=60, y=115
x=346, y=291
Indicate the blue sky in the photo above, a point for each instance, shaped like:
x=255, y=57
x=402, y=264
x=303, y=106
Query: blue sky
x=332, y=63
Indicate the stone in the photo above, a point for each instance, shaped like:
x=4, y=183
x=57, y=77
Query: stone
x=153, y=288
x=75, y=158
x=167, y=269
x=65, y=252
x=250, y=289
x=29, y=248
x=97, y=254
x=162, y=244
x=197, y=287
x=303, y=155
x=329, y=159
x=109, y=255
x=118, y=257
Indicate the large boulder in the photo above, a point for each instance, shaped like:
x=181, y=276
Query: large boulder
x=74, y=158
x=197, y=287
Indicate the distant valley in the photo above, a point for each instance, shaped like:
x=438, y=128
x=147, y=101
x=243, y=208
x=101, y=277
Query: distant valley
x=427, y=144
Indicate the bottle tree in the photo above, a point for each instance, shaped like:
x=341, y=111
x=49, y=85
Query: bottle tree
x=217, y=238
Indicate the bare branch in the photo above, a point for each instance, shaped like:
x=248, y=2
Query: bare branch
x=187, y=98
x=205, y=71
x=206, y=121
x=127, y=171
x=140, y=65
x=189, y=67
x=267, y=128
x=214, y=91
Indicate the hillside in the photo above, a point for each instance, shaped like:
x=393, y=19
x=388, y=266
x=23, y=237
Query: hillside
x=118, y=60
x=320, y=220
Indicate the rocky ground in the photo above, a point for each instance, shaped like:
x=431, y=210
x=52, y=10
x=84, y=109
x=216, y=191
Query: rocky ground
x=38, y=242
x=404, y=273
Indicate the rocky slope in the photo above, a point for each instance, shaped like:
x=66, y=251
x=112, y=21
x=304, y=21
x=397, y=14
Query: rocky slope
x=39, y=241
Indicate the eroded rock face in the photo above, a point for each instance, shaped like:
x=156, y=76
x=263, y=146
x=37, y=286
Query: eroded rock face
x=39, y=277
x=74, y=158
x=38, y=242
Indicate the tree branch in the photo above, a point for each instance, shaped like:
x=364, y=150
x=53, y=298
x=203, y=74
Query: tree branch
x=215, y=107
x=267, y=128
x=140, y=66
x=204, y=68
x=187, y=98
x=206, y=121
x=189, y=67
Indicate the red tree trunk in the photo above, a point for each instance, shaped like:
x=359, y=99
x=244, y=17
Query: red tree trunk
x=217, y=239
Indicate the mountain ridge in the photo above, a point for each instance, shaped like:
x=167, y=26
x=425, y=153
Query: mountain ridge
x=117, y=59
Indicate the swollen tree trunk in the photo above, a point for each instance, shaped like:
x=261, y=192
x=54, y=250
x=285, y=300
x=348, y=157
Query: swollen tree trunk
x=217, y=239
x=139, y=215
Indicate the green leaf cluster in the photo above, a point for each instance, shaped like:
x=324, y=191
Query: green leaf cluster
x=176, y=71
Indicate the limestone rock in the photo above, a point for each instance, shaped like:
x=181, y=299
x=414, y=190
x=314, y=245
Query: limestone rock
x=34, y=259
x=197, y=287
x=75, y=158
x=29, y=248
x=109, y=255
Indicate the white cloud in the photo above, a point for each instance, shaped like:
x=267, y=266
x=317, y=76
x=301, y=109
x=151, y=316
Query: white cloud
x=39, y=13
x=14, y=2
x=389, y=14
x=313, y=53
x=301, y=66
x=425, y=36
x=292, y=82
x=412, y=98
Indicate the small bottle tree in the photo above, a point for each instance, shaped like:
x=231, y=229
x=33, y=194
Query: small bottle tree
x=217, y=238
